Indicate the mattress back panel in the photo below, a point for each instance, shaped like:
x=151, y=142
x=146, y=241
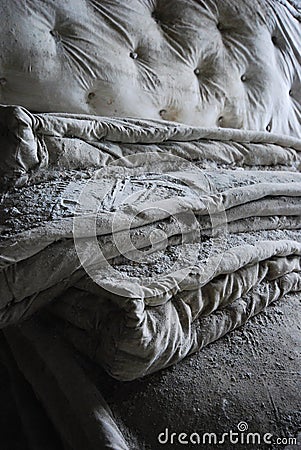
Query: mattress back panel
x=207, y=63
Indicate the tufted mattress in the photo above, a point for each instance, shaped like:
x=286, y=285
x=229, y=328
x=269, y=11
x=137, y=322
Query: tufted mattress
x=206, y=63
x=146, y=239
x=150, y=186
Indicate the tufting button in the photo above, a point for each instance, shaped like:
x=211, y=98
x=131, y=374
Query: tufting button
x=55, y=34
x=91, y=95
x=197, y=71
x=133, y=55
x=3, y=81
x=268, y=127
x=220, y=120
x=219, y=26
x=243, y=78
x=162, y=112
x=291, y=92
x=155, y=16
x=274, y=40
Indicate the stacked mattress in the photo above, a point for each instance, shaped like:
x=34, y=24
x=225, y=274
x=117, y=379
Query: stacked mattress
x=146, y=240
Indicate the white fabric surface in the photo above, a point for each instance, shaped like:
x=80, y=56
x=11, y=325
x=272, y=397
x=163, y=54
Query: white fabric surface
x=215, y=82
x=137, y=317
x=208, y=63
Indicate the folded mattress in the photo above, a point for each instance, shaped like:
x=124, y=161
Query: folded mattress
x=146, y=239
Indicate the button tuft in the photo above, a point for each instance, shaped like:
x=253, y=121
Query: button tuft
x=55, y=34
x=155, y=16
x=133, y=55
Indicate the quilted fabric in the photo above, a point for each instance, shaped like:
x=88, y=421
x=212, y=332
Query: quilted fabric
x=208, y=63
x=195, y=204
x=228, y=73
x=136, y=338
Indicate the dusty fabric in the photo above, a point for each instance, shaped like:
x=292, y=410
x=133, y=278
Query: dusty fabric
x=158, y=206
x=77, y=409
x=168, y=238
x=25, y=140
x=207, y=63
x=140, y=342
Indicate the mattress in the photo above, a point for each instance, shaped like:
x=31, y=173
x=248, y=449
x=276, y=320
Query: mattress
x=146, y=240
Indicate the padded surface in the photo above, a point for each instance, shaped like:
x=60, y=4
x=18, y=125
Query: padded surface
x=225, y=63
x=163, y=276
